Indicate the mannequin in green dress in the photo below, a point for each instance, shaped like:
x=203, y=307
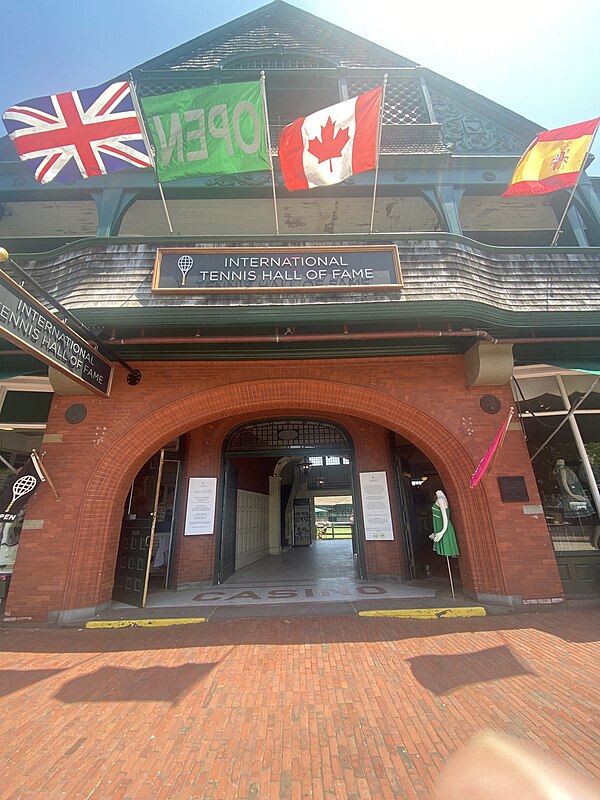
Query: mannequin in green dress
x=444, y=538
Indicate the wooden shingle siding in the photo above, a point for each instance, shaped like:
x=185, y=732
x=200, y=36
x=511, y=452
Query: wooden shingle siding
x=535, y=280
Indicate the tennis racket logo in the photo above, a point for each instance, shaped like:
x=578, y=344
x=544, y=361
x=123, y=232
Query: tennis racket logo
x=184, y=264
x=21, y=487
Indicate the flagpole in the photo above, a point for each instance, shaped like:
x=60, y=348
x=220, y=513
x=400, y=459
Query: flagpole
x=146, y=139
x=572, y=195
x=39, y=463
x=503, y=437
x=379, y=127
x=268, y=140
x=450, y=575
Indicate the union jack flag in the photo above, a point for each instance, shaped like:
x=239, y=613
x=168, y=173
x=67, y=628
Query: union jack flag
x=78, y=134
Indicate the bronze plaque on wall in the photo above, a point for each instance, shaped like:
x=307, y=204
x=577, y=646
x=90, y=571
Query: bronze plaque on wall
x=268, y=269
x=513, y=489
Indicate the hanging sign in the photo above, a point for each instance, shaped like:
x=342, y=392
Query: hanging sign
x=302, y=528
x=33, y=328
x=19, y=488
x=200, y=512
x=275, y=269
x=377, y=515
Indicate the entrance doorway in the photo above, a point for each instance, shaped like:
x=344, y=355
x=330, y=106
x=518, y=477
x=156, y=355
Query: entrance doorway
x=417, y=481
x=287, y=501
x=147, y=530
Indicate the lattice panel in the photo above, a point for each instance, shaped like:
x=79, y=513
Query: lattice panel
x=404, y=101
x=279, y=62
x=334, y=477
x=284, y=434
x=408, y=139
x=150, y=88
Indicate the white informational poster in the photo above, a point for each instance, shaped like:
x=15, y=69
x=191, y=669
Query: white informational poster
x=200, y=512
x=377, y=515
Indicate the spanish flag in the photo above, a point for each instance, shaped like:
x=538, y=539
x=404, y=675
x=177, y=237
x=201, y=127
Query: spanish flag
x=553, y=160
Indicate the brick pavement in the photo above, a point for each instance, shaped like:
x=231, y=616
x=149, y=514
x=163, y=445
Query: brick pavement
x=323, y=708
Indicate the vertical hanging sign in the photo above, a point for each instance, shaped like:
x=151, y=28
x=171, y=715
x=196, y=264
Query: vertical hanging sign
x=34, y=328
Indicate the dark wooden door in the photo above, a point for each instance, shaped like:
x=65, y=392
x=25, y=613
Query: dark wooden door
x=228, y=530
x=137, y=532
x=407, y=515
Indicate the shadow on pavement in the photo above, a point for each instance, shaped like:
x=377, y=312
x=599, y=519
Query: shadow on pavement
x=443, y=674
x=570, y=626
x=13, y=680
x=119, y=684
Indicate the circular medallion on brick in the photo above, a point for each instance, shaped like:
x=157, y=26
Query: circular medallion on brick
x=490, y=404
x=75, y=413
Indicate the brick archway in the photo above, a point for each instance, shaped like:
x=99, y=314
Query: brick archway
x=127, y=451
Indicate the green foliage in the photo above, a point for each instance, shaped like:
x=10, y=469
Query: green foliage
x=593, y=451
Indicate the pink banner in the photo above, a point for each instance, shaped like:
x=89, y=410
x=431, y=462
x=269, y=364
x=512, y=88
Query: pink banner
x=486, y=461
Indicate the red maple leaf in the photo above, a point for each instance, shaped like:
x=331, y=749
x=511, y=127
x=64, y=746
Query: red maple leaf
x=328, y=146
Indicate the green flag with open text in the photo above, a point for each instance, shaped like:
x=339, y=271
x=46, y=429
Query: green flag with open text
x=208, y=131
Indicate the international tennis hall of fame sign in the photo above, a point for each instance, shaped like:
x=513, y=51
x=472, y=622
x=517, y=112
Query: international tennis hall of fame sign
x=32, y=327
x=264, y=269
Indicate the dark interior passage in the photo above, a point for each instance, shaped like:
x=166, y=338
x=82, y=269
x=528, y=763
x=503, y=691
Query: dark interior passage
x=417, y=482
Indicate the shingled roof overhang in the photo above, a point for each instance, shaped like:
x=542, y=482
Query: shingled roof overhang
x=450, y=283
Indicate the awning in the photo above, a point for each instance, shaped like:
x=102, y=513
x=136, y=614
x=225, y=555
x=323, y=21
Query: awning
x=336, y=500
x=7, y=374
x=591, y=366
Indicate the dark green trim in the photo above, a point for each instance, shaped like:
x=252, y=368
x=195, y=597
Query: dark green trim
x=190, y=240
x=445, y=200
x=418, y=170
x=524, y=354
x=555, y=353
x=398, y=316
x=112, y=205
x=274, y=352
x=281, y=452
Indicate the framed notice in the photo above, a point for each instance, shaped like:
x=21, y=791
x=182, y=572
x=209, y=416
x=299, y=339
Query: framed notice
x=302, y=537
x=377, y=515
x=200, y=512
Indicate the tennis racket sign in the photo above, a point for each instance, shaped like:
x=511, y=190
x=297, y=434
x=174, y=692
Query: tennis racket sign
x=18, y=489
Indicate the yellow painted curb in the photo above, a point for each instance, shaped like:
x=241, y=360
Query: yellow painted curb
x=143, y=623
x=427, y=613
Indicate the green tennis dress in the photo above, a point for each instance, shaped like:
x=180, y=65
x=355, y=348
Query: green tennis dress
x=447, y=545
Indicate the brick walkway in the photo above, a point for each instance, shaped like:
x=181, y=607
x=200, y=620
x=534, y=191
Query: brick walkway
x=329, y=707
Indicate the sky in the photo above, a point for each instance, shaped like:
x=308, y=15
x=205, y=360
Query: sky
x=540, y=58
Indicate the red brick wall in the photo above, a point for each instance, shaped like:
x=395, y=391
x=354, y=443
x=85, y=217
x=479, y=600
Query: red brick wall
x=69, y=563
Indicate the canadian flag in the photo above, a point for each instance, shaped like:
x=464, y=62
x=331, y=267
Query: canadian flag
x=330, y=145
